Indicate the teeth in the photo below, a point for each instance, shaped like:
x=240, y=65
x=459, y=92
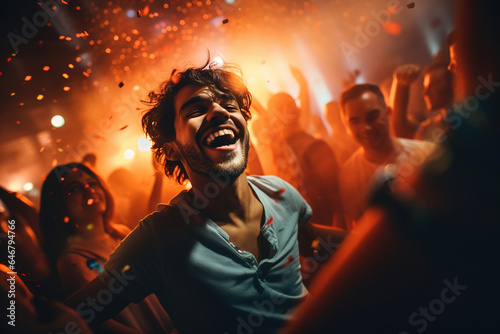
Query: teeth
x=219, y=133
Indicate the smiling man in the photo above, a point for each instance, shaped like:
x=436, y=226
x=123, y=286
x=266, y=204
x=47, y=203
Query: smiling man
x=366, y=118
x=222, y=257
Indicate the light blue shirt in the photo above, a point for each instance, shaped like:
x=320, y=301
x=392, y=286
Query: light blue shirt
x=205, y=283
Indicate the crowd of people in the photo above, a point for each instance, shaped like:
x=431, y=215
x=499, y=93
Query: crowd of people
x=386, y=225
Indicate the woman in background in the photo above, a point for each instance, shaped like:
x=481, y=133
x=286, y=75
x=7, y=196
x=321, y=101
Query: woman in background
x=76, y=219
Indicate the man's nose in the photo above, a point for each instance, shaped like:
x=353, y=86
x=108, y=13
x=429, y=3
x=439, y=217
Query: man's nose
x=217, y=113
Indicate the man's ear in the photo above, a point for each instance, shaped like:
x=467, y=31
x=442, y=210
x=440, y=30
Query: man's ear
x=171, y=151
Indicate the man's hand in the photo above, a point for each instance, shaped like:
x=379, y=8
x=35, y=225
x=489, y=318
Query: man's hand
x=406, y=74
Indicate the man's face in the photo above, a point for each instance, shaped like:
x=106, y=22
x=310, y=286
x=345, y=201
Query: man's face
x=437, y=90
x=211, y=132
x=367, y=121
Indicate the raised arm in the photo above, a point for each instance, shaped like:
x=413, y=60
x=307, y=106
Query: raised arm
x=19, y=205
x=404, y=76
x=155, y=196
x=305, y=101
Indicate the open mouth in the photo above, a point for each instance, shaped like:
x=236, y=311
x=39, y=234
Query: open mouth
x=221, y=138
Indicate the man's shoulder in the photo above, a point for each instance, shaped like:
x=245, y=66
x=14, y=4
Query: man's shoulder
x=168, y=216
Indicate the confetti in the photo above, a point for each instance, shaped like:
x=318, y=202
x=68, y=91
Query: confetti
x=90, y=226
x=127, y=267
x=90, y=201
x=66, y=88
x=280, y=191
x=290, y=259
x=27, y=78
x=123, y=127
x=66, y=220
x=42, y=149
x=39, y=97
x=65, y=76
x=270, y=221
x=411, y=5
x=121, y=84
x=46, y=68
x=225, y=21
x=392, y=28
x=92, y=264
x=315, y=243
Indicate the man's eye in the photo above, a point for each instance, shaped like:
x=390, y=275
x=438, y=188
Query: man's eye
x=194, y=112
x=231, y=107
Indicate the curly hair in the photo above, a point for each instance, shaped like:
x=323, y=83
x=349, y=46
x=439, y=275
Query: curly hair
x=158, y=121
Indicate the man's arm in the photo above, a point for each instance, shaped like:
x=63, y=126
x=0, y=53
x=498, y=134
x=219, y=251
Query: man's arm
x=87, y=302
x=404, y=76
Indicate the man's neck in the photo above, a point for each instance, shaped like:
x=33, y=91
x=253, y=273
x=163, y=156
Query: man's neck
x=385, y=153
x=233, y=203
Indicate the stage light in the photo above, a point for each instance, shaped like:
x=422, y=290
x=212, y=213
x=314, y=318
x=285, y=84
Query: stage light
x=144, y=144
x=217, y=61
x=28, y=186
x=128, y=154
x=57, y=121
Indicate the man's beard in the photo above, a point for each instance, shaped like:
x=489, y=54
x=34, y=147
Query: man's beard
x=202, y=165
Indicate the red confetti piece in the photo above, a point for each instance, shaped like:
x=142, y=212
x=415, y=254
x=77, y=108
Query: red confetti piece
x=27, y=78
x=46, y=68
x=392, y=28
x=66, y=219
x=280, y=191
x=90, y=201
x=86, y=74
x=270, y=221
x=290, y=259
x=123, y=127
x=42, y=149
